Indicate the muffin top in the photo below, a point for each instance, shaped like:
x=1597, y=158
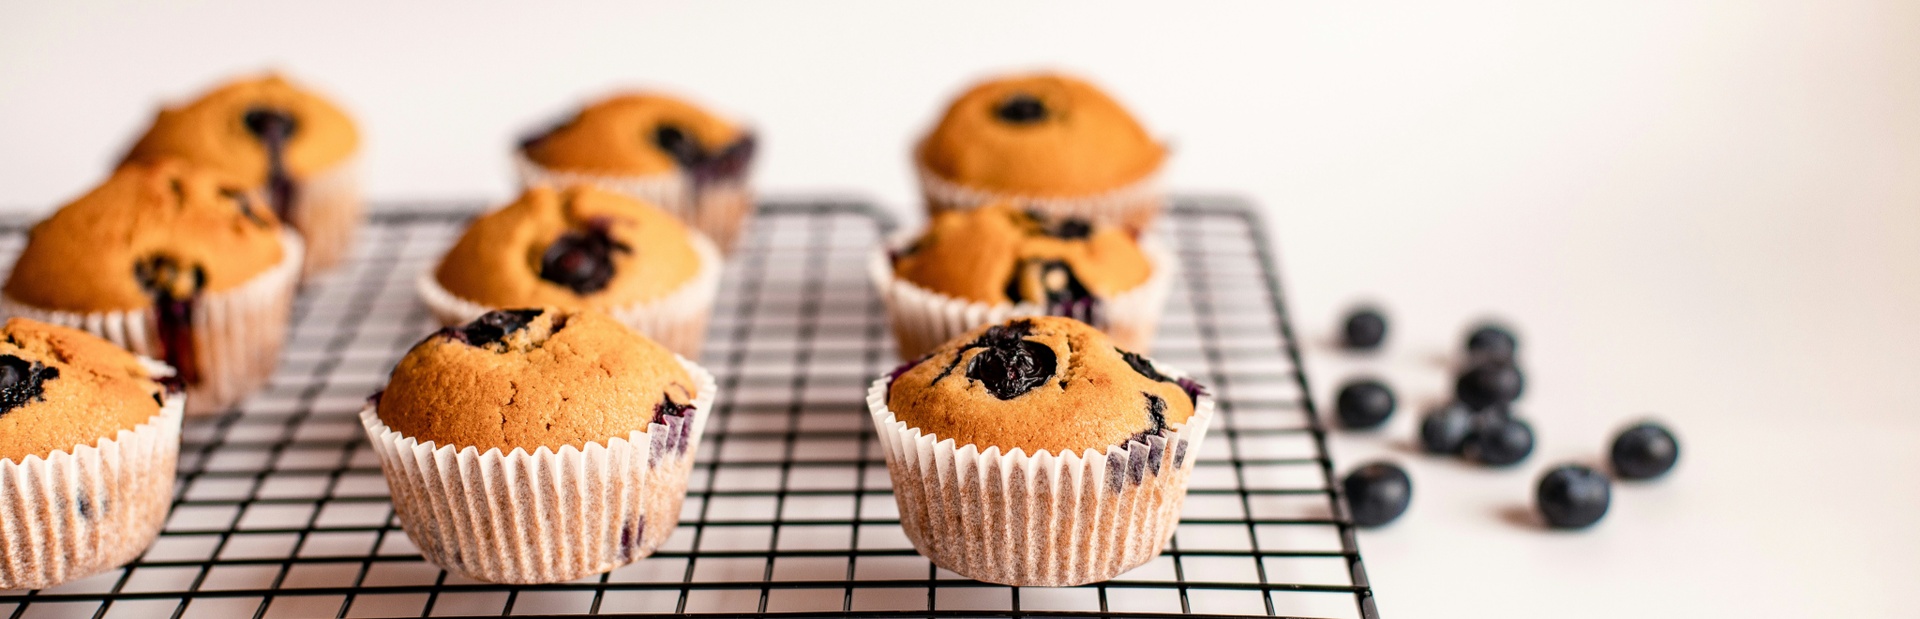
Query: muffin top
x=1041, y=135
x=152, y=229
x=996, y=254
x=1040, y=383
x=578, y=247
x=532, y=378
x=61, y=388
x=231, y=130
x=638, y=134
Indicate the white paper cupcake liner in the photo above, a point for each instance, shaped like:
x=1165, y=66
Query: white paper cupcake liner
x=924, y=319
x=677, y=321
x=545, y=516
x=1041, y=520
x=81, y=511
x=237, y=334
x=719, y=208
x=1134, y=206
x=327, y=211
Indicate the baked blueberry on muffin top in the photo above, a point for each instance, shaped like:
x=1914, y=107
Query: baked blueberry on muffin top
x=531, y=378
x=642, y=134
x=61, y=388
x=996, y=254
x=578, y=247
x=1040, y=383
x=1043, y=135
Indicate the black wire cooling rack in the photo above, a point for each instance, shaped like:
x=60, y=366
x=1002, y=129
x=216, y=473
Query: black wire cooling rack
x=281, y=510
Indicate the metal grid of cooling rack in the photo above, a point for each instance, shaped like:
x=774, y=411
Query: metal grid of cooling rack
x=281, y=510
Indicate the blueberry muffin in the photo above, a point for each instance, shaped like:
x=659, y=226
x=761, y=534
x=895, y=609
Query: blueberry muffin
x=1104, y=438
x=89, y=436
x=269, y=134
x=1048, y=142
x=582, y=248
x=592, y=426
x=168, y=261
x=978, y=266
x=654, y=147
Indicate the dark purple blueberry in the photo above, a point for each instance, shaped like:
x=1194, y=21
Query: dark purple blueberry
x=1498, y=441
x=1063, y=228
x=729, y=163
x=1573, y=496
x=1644, y=451
x=682, y=147
x=492, y=326
x=22, y=381
x=1052, y=284
x=1010, y=369
x=1377, y=493
x=1444, y=430
x=1144, y=367
x=269, y=124
x=1365, y=329
x=1156, y=418
x=1021, y=109
x=1491, y=342
x=582, y=260
x=175, y=289
x=1364, y=403
x=1489, y=384
x=275, y=128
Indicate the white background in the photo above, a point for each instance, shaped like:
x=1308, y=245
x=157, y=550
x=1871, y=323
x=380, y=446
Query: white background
x=1709, y=212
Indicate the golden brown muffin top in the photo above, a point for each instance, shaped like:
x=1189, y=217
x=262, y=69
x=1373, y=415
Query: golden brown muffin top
x=61, y=388
x=222, y=131
x=1039, y=383
x=533, y=378
x=634, y=134
x=996, y=254
x=1042, y=135
x=151, y=228
x=574, y=248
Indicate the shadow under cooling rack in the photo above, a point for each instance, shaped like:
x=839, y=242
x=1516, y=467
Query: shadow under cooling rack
x=281, y=510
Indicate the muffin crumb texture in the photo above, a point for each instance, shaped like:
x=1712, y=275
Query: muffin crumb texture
x=998, y=254
x=61, y=388
x=578, y=247
x=1043, y=135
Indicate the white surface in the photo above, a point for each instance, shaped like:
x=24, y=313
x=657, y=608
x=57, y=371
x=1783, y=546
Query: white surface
x=1708, y=211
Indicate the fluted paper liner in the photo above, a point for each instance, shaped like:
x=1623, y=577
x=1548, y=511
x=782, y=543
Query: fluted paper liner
x=924, y=319
x=237, y=334
x=327, y=209
x=545, y=516
x=1134, y=206
x=677, y=321
x=82, y=511
x=719, y=208
x=1041, y=520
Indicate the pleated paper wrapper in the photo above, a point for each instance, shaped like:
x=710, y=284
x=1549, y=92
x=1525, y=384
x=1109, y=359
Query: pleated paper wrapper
x=85, y=510
x=327, y=210
x=545, y=516
x=237, y=334
x=1135, y=207
x=720, y=208
x=677, y=321
x=1040, y=520
x=924, y=319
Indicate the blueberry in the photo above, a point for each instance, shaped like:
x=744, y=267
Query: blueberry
x=1491, y=342
x=165, y=278
x=22, y=381
x=1365, y=329
x=1644, y=451
x=492, y=326
x=1445, y=430
x=1572, y=496
x=1377, y=493
x=1010, y=365
x=1156, y=418
x=1051, y=283
x=582, y=260
x=1063, y=228
x=683, y=148
x=274, y=128
x=269, y=124
x=1498, y=441
x=1364, y=403
x=1489, y=384
x=1021, y=109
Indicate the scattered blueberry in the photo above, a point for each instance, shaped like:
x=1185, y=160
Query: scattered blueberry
x=1489, y=384
x=1498, y=441
x=1573, y=496
x=582, y=260
x=1491, y=342
x=22, y=381
x=492, y=326
x=1444, y=430
x=1377, y=493
x=1021, y=109
x=1365, y=329
x=1644, y=451
x=1010, y=365
x=1364, y=403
